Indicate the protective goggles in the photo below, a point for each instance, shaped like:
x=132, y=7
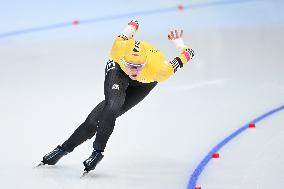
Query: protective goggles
x=132, y=65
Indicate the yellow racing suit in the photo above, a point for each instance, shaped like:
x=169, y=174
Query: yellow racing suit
x=157, y=68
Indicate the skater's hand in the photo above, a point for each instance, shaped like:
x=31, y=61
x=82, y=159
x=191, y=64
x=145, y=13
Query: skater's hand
x=134, y=24
x=130, y=30
x=176, y=38
x=175, y=35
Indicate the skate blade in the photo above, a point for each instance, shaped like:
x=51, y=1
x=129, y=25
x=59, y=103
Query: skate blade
x=84, y=174
x=39, y=165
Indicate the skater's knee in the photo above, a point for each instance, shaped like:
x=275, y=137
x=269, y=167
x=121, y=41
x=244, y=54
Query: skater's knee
x=90, y=127
x=90, y=122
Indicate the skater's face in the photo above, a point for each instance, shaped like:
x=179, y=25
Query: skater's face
x=133, y=69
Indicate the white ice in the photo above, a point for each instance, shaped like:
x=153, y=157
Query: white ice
x=51, y=80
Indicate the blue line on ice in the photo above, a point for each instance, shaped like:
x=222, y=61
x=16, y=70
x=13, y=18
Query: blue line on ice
x=201, y=166
x=113, y=17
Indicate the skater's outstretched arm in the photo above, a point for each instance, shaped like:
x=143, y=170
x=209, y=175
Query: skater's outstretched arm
x=130, y=30
x=186, y=54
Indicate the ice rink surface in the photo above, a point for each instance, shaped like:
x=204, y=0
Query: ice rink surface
x=51, y=79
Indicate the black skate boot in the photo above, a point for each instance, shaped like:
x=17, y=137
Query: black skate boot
x=54, y=156
x=92, y=161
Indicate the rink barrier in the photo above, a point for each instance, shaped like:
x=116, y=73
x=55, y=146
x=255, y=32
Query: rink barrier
x=119, y=16
x=201, y=166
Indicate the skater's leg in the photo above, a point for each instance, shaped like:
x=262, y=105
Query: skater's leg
x=117, y=102
x=116, y=83
x=133, y=95
x=85, y=131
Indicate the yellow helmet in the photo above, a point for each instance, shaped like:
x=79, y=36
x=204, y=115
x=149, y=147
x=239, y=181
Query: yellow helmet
x=135, y=52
